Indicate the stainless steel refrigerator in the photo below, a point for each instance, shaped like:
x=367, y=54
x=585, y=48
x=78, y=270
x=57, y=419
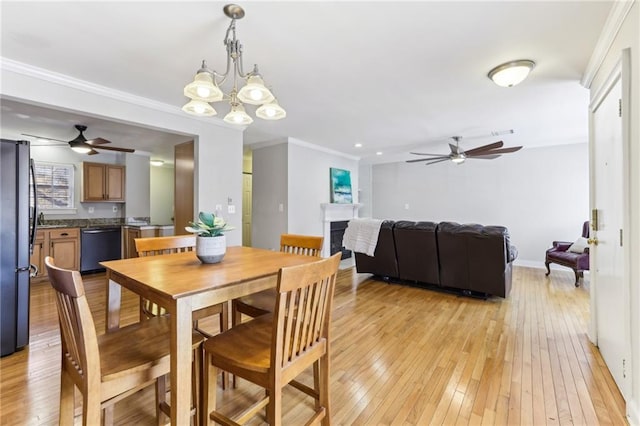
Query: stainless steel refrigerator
x=17, y=233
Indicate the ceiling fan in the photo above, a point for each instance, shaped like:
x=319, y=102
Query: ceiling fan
x=83, y=145
x=458, y=156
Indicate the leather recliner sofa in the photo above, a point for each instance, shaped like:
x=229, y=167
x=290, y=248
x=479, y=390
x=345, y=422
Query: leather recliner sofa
x=471, y=257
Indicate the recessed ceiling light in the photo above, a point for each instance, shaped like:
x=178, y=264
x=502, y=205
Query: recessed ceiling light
x=156, y=163
x=379, y=153
x=358, y=145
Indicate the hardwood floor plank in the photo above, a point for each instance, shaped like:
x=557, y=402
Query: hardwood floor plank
x=401, y=355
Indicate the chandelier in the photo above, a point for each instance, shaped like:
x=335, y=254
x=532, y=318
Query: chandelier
x=205, y=87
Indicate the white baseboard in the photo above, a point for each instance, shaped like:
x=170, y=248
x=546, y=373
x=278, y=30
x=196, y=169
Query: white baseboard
x=633, y=413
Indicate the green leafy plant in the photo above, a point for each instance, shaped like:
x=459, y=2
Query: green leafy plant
x=208, y=225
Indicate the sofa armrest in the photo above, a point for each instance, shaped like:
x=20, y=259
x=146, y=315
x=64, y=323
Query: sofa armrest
x=562, y=245
x=513, y=253
x=586, y=250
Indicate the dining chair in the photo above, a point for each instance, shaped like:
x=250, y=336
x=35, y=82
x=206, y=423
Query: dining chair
x=273, y=349
x=152, y=246
x=112, y=366
x=176, y=244
x=263, y=302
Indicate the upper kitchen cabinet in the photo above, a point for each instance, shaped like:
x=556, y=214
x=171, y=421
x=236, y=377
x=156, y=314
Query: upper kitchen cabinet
x=103, y=182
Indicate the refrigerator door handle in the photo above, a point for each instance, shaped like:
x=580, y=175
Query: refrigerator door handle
x=34, y=220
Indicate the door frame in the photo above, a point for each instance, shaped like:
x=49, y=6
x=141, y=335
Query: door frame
x=621, y=71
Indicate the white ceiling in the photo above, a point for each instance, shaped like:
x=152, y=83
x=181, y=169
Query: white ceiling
x=393, y=76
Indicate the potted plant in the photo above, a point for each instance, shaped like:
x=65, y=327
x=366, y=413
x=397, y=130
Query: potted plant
x=211, y=244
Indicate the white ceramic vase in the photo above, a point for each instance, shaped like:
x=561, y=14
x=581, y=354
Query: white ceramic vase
x=211, y=249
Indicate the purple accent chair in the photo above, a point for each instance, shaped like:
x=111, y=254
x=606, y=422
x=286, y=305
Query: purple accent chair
x=561, y=255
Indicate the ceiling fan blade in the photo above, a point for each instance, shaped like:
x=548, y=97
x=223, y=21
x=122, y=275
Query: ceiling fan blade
x=442, y=157
x=113, y=148
x=97, y=141
x=92, y=152
x=424, y=153
x=501, y=151
x=484, y=157
x=43, y=138
x=488, y=147
x=438, y=161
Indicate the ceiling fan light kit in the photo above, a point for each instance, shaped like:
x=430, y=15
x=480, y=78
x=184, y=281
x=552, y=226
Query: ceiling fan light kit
x=82, y=145
x=205, y=87
x=511, y=73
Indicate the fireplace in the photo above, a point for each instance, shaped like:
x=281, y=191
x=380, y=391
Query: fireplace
x=334, y=212
x=337, y=232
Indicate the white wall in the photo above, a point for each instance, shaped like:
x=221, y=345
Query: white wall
x=161, y=204
x=540, y=195
x=218, y=172
x=629, y=37
x=309, y=184
x=365, y=191
x=269, y=192
x=295, y=175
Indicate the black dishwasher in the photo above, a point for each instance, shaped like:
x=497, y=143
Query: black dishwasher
x=97, y=245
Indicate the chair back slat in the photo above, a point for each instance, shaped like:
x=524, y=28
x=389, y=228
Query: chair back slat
x=77, y=329
x=153, y=246
x=301, y=244
x=303, y=309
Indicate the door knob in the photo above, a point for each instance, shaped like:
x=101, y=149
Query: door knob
x=593, y=241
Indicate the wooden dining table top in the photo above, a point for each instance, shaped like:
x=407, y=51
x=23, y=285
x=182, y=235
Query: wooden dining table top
x=182, y=274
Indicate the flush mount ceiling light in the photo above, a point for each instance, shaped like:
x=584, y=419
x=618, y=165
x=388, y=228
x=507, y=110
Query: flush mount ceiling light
x=511, y=73
x=205, y=87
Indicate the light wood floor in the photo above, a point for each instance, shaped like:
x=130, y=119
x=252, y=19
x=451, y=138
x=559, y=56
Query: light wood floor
x=400, y=355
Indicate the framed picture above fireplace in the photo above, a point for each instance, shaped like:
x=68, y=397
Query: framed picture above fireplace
x=340, y=187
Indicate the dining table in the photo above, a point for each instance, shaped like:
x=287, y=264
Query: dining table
x=180, y=283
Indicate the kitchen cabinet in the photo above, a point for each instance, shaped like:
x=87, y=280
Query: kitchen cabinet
x=103, y=182
x=63, y=244
x=132, y=233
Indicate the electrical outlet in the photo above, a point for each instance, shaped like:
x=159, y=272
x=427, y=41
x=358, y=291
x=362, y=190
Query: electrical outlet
x=218, y=207
x=281, y=208
x=406, y=206
x=114, y=209
x=91, y=210
x=231, y=209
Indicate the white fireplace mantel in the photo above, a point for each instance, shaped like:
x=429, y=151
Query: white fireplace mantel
x=334, y=212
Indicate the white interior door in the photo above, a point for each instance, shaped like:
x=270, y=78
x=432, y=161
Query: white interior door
x=609, y=288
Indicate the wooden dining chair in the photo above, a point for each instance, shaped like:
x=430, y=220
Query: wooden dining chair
x=176, y=244
x=263, y=302
x=273, y=349
x=112, y=366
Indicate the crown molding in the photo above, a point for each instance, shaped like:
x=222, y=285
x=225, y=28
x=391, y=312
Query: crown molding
x=322, y=149
x=53, y=77
x=617, y=15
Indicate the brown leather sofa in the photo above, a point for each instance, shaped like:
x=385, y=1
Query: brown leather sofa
x=476, y=258
x=383, y=262
x=417, y=251
x=473, y=258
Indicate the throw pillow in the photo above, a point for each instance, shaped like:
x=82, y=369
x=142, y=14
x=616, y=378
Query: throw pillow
x=579, y=245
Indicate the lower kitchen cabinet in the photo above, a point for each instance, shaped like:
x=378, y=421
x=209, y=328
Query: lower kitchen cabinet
x=63, y=244
x=133, y=233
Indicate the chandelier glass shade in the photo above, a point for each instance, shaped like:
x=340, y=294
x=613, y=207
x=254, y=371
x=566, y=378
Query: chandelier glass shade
x=205, y=87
